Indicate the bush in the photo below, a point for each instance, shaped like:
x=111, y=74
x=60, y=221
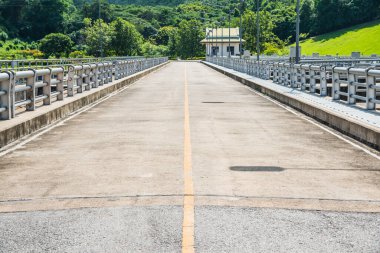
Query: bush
x=16, y=41
x=77, y=54
x=33, y=45
x=56, y=44
x=148, y=49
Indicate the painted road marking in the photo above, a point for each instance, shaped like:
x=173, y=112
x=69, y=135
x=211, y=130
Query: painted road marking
x=188, y=200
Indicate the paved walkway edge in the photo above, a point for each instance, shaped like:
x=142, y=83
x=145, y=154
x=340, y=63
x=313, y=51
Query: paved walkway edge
x=30, y=122
x=361, y=132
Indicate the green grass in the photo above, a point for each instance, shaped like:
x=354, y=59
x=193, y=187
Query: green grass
x=364, y=38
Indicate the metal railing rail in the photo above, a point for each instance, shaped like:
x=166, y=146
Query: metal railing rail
x=43, y=63
x=347, y=84
x=324, y=60
x=28, y=89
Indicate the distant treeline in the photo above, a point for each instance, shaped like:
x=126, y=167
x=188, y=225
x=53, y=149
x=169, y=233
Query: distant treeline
x=159, y=22
x=149, y=2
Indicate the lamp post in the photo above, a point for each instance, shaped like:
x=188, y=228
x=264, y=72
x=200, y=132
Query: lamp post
x=298, y=33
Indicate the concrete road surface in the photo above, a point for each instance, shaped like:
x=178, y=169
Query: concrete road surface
x=189, y=160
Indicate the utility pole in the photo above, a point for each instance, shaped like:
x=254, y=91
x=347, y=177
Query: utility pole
x=241, y=28
x=207, y=43
x=229, y=33
x=298, y=33
x=258, y=29
x=222, y=40
x=216, y=41
x=212, y=41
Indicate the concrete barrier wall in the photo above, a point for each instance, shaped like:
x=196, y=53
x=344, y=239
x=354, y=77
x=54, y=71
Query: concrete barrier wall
x=359, y=131
x=26, y=124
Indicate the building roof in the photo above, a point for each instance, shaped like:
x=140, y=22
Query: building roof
x=223, y=32
x=221, y=35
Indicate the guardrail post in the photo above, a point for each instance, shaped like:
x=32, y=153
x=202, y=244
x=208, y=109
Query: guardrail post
x=370, y=91
x=323, y=81
x=5, y=100
x=46, y=90
x=351, y=89
x=106, y=71
x=87, y=78
x=312, y=80
x=293, y=71
x=336, y=85
x=60, y=87
x=70, y=81
x=100, y=73
x=303, y=78
x=80, y=79
x=109, y=72
x=31, y=93
x=13, y=93
x=95, y=76
x=117, y=70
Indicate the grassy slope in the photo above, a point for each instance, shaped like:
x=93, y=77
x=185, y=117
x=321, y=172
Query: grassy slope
x=364, y=38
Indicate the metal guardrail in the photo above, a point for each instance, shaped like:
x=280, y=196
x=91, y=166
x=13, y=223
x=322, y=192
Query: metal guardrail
x=325, y=60
x=348, y=84
x=43, y=63
x=28, y=89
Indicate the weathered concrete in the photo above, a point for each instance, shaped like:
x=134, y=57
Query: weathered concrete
x=29, y=122
x=355, y=129
x=283, y=231
x=123, y=160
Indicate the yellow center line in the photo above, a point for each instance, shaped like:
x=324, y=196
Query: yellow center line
x=188, y=201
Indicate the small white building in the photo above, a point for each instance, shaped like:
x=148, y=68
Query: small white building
x=222, y=41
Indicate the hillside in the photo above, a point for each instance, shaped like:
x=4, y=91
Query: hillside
x=364, y=38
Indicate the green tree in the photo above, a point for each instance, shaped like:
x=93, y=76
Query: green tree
x=56, y=44
x=40, y=17
x=189, y=36
x=284, y=21
x=307, y=16
x=91, y=10
x=268, y=40
x=163, y=35
x=173, y=42
x=98, y=37
x=126, y=40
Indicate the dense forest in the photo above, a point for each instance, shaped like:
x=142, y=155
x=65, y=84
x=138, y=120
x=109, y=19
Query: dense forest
x=77, y=28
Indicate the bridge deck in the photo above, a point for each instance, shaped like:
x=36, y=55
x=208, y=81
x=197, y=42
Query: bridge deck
x=124, y=161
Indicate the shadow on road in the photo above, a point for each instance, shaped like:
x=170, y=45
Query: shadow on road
x=257, y=168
